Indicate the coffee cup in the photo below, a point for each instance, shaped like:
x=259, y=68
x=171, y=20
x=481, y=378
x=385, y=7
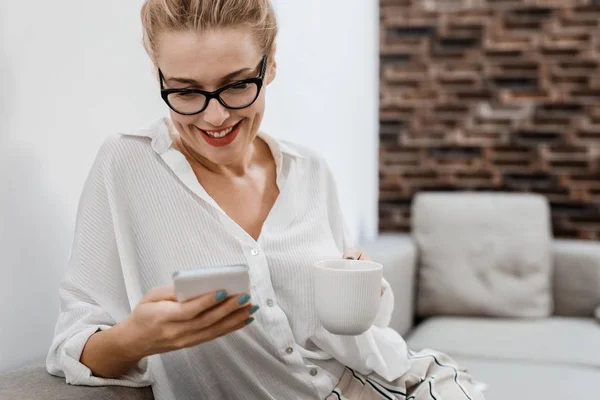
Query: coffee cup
x=347, y=294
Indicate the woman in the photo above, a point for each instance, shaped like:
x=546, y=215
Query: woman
x=206, y=188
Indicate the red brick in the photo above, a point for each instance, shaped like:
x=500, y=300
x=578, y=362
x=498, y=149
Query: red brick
x=517, y=80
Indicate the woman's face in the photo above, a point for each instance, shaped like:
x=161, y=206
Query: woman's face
x=209, y=61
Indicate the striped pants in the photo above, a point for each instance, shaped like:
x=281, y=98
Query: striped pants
x=432, y=376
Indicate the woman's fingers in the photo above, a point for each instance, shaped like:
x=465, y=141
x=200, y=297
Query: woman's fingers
x=204, y=332
x=190, y=309
x=232, y=307
x=356, y=254
x=230, y=322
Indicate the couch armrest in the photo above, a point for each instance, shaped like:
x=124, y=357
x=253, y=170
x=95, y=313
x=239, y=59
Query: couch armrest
x=398, y=254
x=576, y=277
x=34, y=382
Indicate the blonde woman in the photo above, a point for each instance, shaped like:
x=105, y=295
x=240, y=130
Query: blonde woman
x=206, y=187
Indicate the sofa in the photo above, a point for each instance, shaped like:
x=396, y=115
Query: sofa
x=479, y=277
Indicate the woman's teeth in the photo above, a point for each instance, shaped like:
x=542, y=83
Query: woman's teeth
x=220, y=134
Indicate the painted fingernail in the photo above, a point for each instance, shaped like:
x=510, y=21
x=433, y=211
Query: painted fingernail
x=253, y=309
x=221, y=295
x=248, y=321
x=244, y=299
x=349, y=258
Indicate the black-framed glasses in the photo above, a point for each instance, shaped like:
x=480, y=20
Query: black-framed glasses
x=235, y=96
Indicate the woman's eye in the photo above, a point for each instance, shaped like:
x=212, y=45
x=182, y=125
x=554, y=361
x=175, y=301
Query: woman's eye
x=240, y=86
x=188, y=96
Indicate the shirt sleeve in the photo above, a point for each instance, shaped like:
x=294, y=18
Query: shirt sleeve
x=92, y=294
x=344, y=240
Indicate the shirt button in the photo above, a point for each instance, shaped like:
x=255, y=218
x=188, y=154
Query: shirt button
x=254, y=251
x=313, y=372
x=289, y=350
x=270, y=303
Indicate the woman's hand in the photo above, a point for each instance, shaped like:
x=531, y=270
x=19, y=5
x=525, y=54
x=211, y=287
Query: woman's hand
x=159, y=323
x=356, y=254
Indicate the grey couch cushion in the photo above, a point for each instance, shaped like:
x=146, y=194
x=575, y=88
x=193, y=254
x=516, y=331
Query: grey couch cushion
x=532, y=381
x=35, y=382
x=576, y=277
x=559, y=340
x=483, y=254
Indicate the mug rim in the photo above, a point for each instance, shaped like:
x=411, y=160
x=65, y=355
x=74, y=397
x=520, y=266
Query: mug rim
x=375, y=265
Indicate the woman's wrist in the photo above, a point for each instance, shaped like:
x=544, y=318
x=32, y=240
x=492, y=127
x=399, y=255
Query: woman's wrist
x=126, y=341
x=110, y=353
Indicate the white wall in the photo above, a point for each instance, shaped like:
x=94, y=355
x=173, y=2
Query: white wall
x=73, y=71
x=326, y=95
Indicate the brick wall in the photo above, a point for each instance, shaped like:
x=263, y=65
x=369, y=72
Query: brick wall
x=500, y=95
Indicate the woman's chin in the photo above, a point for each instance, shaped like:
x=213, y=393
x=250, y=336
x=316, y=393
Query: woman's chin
x=219, y=156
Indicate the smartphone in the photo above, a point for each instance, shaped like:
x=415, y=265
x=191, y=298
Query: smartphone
x=234, y=279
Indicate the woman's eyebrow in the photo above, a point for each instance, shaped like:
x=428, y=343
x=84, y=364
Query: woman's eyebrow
x=236, y=74
x=193, y=82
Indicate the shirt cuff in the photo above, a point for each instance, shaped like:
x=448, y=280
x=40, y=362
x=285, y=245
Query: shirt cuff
x=386, y=307
x=77, y=373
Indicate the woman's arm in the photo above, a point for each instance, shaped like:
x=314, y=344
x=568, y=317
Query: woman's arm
x=93, y=294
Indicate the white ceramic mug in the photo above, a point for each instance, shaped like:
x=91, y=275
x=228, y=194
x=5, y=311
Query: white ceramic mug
x=347, y=294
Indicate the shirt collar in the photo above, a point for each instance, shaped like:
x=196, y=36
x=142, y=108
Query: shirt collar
x=158, y=132
x=278, y=146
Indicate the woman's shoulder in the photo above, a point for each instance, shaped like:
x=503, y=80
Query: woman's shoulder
x=312, y=160
x=131, y=146
x=127, y=152
x=305, y=153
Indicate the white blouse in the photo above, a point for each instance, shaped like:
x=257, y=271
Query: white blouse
x=143, y=215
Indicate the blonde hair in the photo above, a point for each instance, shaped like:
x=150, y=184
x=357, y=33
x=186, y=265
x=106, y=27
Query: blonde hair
x=203, y=15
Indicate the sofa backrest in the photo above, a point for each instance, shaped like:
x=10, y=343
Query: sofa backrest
x=483, y=254
x=576, y=277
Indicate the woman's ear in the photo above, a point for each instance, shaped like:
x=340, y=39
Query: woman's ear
x=272, y=66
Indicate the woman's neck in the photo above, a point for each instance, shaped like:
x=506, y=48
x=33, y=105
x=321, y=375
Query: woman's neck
x=257, y=154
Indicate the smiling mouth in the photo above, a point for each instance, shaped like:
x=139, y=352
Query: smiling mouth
x=221, y=133
x=222, y=137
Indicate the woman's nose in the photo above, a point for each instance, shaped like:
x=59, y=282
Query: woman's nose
x=215, y=114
